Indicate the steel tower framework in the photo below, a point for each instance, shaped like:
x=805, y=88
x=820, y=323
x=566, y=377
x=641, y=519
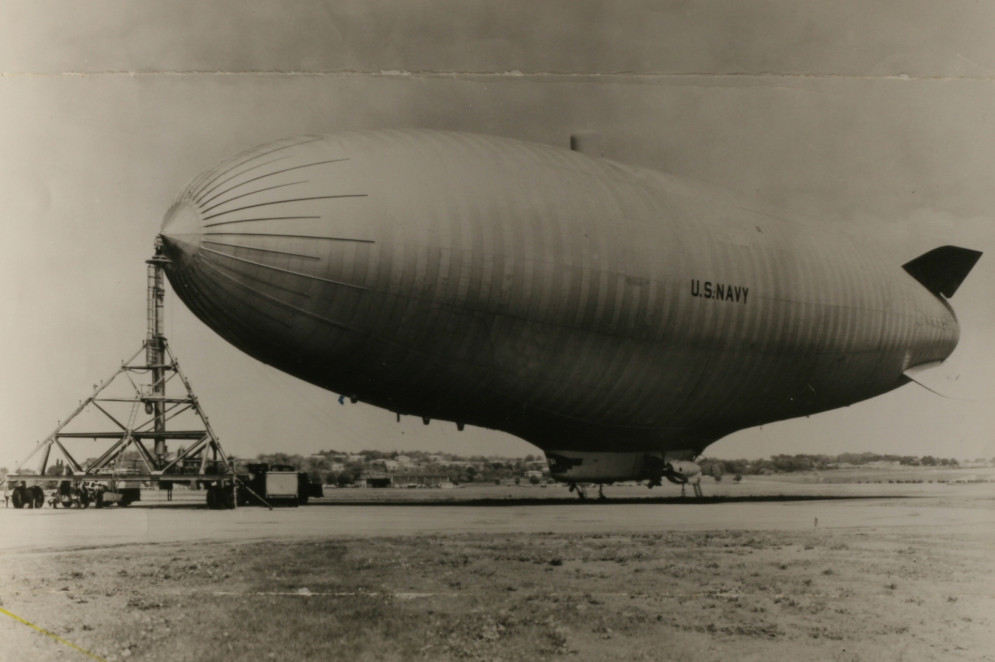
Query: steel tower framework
x=143, y=418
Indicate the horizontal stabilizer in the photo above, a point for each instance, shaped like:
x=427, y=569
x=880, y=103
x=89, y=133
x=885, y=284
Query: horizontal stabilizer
x=912, y=374
x=916, y=370
x=943, y=269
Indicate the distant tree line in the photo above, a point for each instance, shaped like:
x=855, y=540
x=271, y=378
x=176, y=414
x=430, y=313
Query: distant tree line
x=332, y=467
x=347, y=468
x=803, y=462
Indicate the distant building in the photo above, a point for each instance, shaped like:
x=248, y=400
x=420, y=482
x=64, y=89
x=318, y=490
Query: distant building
x=376, y=480
x=419, y=480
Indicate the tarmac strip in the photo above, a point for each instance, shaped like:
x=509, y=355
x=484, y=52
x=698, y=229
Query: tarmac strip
x=49, y=529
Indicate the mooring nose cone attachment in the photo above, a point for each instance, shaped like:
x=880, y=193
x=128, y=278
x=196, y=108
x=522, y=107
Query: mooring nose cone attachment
x=182, y=230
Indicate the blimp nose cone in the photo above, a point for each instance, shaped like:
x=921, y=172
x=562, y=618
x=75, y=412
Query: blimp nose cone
x=272, y=247
x=182, y=230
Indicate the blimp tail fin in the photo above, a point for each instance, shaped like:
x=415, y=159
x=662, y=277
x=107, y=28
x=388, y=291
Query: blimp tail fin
x=943, y=269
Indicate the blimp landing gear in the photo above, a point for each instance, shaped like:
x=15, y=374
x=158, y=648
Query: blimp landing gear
x=684, y=472
x=678, y=472
x=694, y=486
x=580, y=489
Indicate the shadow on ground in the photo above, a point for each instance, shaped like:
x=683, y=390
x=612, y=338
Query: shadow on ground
x=518, y=502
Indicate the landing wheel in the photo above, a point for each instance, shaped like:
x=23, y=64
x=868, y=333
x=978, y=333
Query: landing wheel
x=212, y=497
x=36, y=496
x=220, y=498
x=19, y=496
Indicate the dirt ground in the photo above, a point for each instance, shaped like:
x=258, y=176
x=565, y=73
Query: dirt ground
x=587, y=583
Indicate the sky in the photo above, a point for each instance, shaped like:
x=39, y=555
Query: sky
x=871, y=117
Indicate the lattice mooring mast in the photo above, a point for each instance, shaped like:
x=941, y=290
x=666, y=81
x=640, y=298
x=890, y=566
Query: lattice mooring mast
x=155, y=354
x=128, y=445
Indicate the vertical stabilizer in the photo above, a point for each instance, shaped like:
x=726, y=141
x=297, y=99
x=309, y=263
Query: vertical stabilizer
x=943, y=269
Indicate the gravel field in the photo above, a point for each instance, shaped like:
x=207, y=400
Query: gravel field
x=764, y=570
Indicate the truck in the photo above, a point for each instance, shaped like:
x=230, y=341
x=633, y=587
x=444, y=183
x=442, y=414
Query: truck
x=277, y=484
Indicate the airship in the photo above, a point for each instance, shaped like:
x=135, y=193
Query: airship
x=620, y=319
